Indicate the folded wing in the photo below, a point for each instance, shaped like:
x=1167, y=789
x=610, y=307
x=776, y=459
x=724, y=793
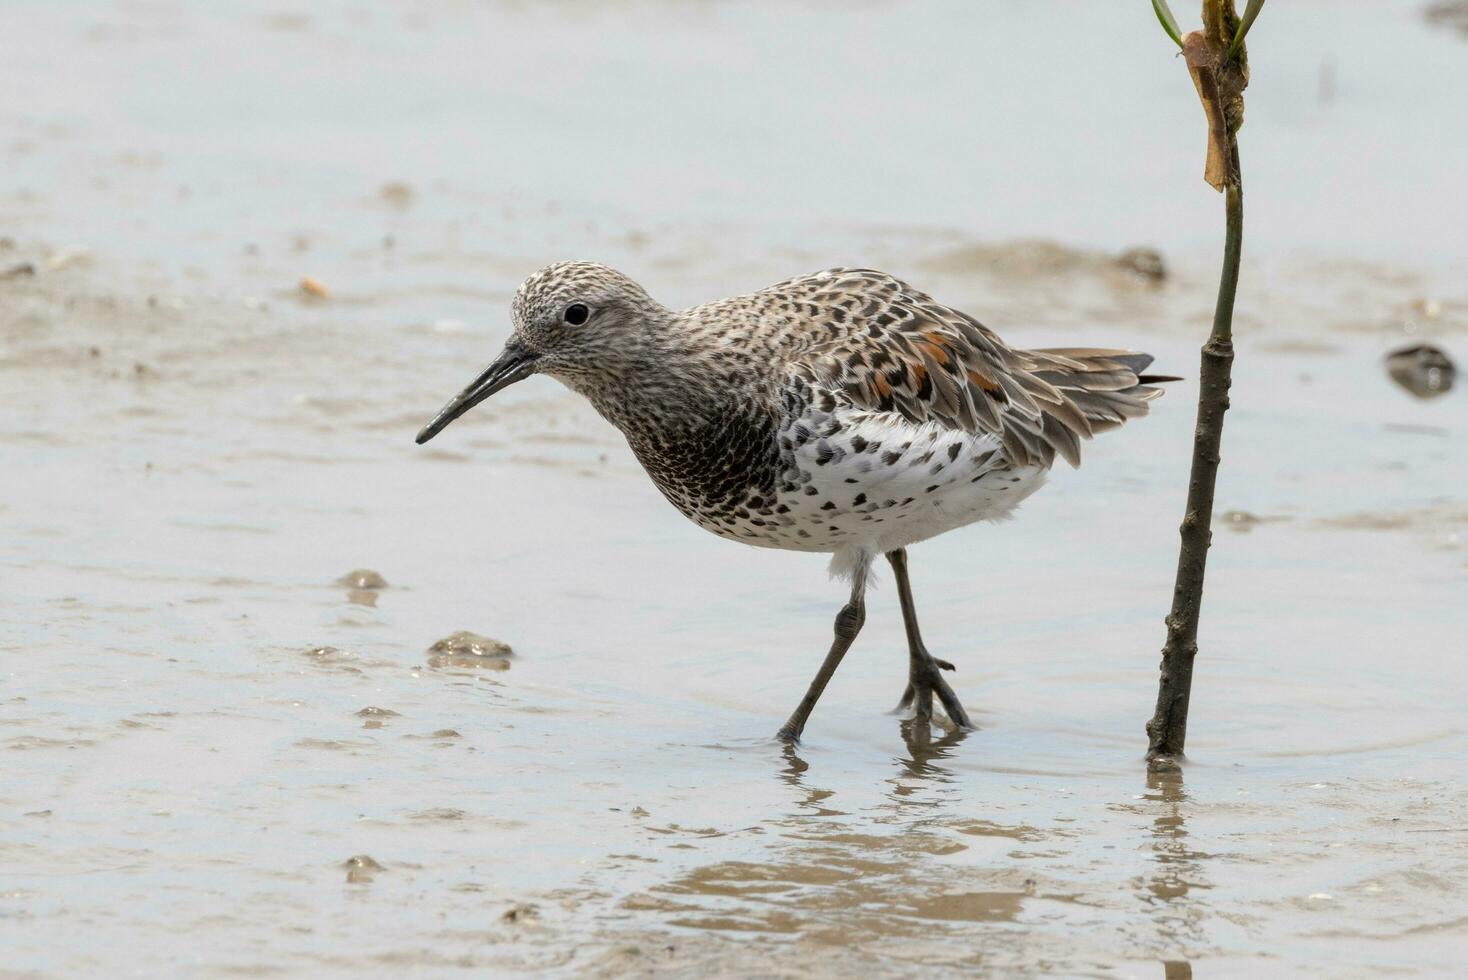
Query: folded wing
x=890, y=348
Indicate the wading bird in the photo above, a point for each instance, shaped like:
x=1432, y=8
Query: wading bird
x=842, y=412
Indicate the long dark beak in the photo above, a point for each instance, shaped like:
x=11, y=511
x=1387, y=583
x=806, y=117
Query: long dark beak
x=514, y=364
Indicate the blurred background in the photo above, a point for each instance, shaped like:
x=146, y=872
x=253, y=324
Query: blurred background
x=247, y=249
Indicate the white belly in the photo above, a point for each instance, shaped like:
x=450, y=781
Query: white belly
x=879, y=484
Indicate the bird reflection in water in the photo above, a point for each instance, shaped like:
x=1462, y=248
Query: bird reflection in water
x=921, y=764
x=925, y=751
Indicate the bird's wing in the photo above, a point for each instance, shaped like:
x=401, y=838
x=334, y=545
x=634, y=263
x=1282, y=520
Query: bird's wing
x=889, y=348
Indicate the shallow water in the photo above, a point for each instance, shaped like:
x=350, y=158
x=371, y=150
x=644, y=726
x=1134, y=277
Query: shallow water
x=221, y=759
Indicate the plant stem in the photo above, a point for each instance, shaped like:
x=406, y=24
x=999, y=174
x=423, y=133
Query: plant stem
x=1168, y=729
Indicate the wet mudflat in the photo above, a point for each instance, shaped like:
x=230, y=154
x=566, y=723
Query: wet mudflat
x=229, y=749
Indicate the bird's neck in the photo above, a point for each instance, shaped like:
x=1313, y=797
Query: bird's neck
x=701, y=434
x=663, y=391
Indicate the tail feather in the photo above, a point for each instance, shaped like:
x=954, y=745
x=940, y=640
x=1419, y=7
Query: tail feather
x=1105, y=387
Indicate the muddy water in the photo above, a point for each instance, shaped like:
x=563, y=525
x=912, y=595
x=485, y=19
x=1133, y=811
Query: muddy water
x=228, y=750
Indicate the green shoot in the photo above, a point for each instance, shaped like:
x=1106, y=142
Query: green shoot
x=1250, y=12
x=1169, y=22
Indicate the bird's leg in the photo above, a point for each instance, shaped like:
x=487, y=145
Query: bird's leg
x=848, y=623
x=923, y=678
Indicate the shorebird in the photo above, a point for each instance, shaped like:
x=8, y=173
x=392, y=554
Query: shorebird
x=842, y=412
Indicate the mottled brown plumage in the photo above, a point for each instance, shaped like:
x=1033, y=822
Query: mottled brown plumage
x=890, y=348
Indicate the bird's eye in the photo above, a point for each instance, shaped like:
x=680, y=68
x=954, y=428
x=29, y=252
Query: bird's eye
x=577, y=314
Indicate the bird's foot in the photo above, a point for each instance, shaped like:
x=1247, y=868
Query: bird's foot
x=924, y=681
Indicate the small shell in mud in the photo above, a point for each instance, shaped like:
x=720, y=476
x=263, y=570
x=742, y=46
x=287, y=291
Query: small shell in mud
x=328, y=655
x=396, y=194
x=362, y=578
x=314, y=289
x=1242, y=521
x=332, y=658
x=1144, y=263
x=361, y=869
x=1424, y=370
x=522, y=913
x=465, y=649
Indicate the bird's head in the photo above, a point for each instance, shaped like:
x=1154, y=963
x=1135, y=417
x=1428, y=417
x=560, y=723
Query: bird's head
x=579, y=322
